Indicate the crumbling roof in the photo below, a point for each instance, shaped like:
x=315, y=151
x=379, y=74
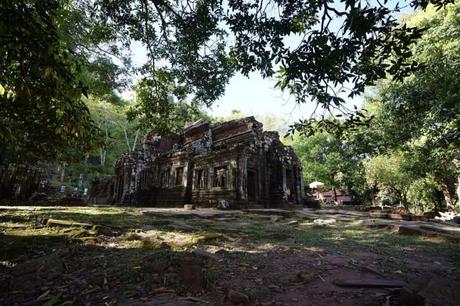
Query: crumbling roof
x=199, y=124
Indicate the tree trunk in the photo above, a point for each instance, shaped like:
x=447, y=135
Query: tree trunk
x=404, y=200
x=447, y=196
x=135, y=140
x=132, y=147
x=458, y=189
x=457, y=166
x=103, y=149
x=63, y=171
x=103, y=155
x=127, y=140
x=334, y=192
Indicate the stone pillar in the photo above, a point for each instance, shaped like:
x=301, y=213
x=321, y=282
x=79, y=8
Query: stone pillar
x=189, y=169
x=302, y=186
x=283, y=170
x=210, y=170
x=185, y=177
x=233, y=174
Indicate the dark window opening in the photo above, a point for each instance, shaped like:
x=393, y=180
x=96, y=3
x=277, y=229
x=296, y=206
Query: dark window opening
x=220, y=177
x=165, y=177
x=120, y=188
x=200, y=179
x=252, y=185
x=179, y=176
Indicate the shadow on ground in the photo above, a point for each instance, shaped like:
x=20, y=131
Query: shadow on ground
x=121, y=256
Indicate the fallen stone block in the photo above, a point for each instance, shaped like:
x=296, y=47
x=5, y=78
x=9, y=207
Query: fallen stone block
x=324, y=221
x=369, y=283
x=57, y=222
x=223, y=204
x=271, y=211
x=378, y=214
x=395, y=217
x=412, y=231
x=207, y=237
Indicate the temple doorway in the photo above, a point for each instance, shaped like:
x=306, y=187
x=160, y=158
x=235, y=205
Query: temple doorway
x=252, y=185
x=290, y=185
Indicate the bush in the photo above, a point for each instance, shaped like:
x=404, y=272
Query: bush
x=422, y=195
x=388, y=196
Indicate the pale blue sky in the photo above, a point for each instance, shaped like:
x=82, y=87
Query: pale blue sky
x=254, y=95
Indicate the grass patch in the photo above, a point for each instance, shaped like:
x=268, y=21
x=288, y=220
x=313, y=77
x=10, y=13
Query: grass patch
x=376, y=241
x=24, y=232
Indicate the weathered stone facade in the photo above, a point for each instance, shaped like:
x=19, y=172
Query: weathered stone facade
x=19, y=182
x=234, y=162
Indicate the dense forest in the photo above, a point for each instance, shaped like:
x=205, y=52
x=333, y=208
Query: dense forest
x=66, y=64
x=409, y=152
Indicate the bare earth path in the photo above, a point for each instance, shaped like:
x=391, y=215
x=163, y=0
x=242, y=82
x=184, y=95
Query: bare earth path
x=146, y=256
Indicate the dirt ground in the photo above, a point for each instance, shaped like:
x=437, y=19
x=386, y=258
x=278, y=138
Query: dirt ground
x=139, y=256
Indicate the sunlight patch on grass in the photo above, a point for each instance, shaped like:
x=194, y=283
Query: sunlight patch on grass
x=13, y=225
x=314, y=249
x=175, y=240
x=45, y=231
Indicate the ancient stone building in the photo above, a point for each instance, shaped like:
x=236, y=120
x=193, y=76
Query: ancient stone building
x=19, y=182
x=234, y=162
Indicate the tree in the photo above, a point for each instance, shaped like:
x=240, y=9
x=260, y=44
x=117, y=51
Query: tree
x=424, y=108
x=104, y=78
x=120, y=135
x=156, y=109
x=49, y=62
x=202, y=43
x=423, y=195
x=196, y=45
x=391, y=173
x=41, y=109
x=332, y=161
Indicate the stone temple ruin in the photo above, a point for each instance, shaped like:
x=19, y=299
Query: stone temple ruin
x=234, y=164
